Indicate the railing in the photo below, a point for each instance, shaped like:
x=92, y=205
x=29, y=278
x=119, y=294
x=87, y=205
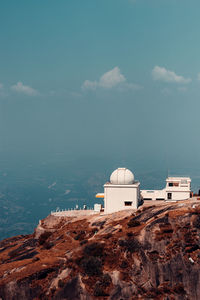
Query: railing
x=72, y=210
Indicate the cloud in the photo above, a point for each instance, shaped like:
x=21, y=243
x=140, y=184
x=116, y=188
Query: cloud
x=165, y=75
x=89, y=85
x=111, y=79
x=1, y=86
x=24, y=89
x=198, y=76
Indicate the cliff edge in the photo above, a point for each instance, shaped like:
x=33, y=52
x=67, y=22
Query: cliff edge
x=151, y=253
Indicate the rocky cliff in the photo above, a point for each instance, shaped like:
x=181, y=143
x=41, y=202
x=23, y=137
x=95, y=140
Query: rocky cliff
x=151, y=253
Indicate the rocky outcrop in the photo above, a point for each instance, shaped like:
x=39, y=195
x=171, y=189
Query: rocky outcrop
x=151, y=253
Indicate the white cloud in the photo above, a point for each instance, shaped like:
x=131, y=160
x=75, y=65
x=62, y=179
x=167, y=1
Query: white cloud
x=89, y=85
x=165, y=75
x=198, y=76
x=111, y=79
x=24, y=89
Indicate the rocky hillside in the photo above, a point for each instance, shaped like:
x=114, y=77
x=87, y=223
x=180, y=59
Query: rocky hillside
x=151, y=253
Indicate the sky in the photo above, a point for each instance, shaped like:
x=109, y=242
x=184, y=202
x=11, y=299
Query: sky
x=101, y=78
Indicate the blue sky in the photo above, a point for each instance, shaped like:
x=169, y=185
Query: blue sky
x=100, y=77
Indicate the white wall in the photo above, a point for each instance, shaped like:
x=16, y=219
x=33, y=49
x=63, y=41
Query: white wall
x=180, y=190
x=153, y=194
x=178, y=195
x=116, y=195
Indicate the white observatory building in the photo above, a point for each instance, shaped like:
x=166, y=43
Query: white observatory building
x=177, y=188
x=121, y=192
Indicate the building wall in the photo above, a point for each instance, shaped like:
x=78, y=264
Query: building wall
x=178, y=187
x=178, y=195
x=116, y=195
x=153, y=194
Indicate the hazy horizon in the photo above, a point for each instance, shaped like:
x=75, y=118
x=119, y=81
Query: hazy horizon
x=95, y=85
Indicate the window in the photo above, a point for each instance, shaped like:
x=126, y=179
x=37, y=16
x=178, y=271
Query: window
x=169, y=196
x=183, y=181
x=128, y=203
x=173, y=184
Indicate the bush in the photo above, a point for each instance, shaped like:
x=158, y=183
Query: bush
x=83, y=242
x=129, y=234
x=80, y=235
x=94, y=249
x=133, y=223
x=61, y=283
x=92, y=266
x=48, y=245
x=44, y=236
x=98, y=291
x=107, y=236
x=124, y=264
x=131, y=245
x=179, y=289
x=106, y=280
x=197, y=222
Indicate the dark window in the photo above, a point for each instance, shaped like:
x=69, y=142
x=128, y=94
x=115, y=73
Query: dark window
x=170, y=183
x=169, y=196
x=127, y=203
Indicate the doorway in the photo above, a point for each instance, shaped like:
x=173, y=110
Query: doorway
x=169, y=196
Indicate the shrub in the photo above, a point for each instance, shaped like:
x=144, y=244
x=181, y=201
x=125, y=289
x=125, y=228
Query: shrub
x=179, y=289
x=48, y=245
x=83, y=242
x=44, y=236
x=92, y=266
x=197, y=222
x=133, y=223
x=61, y=283
x=131, y=245
x=100, y=223
x=107, y=236
x=98, y=291
x=129, y=234
x=80, y=235
x=106, y=280
x=124, y=264
x=94, y=249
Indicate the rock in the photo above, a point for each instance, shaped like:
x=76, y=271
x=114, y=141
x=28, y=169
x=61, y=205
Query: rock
x=157, y=259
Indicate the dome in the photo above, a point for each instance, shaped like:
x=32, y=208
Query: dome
x=122, y=176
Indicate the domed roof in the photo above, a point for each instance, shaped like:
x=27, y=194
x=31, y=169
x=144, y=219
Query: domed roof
x=122, y=176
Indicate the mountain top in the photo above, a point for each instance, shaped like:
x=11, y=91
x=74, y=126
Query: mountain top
x=149, y=253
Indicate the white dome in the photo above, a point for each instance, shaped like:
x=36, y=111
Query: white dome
x=122, y=176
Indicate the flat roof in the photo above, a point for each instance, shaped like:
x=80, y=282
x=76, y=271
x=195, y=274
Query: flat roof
x=178, y=178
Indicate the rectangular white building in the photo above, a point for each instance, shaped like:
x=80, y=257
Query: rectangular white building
x=121, y=196
x=177, y=188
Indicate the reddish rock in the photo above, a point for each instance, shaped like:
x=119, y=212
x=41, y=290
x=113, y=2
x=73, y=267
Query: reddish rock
x=152, y=253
